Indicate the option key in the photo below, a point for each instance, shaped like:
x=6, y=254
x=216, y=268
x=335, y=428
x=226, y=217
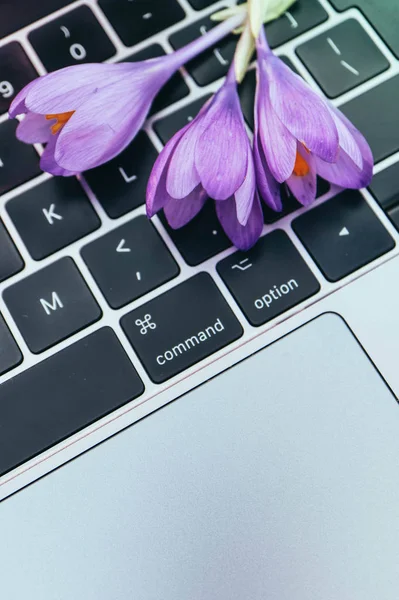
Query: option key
x=269, y=279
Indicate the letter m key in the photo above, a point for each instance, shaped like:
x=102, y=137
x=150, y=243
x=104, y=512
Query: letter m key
x=51, y=215
x=49, y=306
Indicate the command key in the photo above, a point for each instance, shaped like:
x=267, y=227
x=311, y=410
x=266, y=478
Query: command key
x=269, y=279
x=181, y=327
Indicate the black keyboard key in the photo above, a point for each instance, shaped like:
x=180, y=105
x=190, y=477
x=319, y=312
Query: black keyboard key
x=181, y=327
x=175, y=89
x=290, y=204
x=301, y=17
x=129, y=261
x=165, y=128
x=10, y=259
x=121, y=183
x=342, y=58
x=10, y=354
x=214, y=62
x=14, y=17
x=52, y=215
x=375, y=114
x=343, y=235
x=19, y=162
x=76, y=37
x=269, y=279
x=393, y=214
x=200, y=4
x=385, y=187
x=51, y=305
x=246, y=92
x=382, y=14
x=136, y=21
x=247, y=89
x=16, y=71
x=63, y=394
x=201, y=238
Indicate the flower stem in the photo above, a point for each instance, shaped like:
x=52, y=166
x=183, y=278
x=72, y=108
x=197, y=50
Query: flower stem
x=244, y=52
x=185, y=54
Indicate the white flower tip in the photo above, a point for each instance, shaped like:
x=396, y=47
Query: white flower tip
x=243, y=54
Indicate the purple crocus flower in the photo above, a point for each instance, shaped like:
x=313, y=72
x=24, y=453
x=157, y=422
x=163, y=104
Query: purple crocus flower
x=299, y=135
x=210, y=157
x=87, y=114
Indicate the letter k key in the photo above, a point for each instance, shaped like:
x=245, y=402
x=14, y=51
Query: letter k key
x=51, y=215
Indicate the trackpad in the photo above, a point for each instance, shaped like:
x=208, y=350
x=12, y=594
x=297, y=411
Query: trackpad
x=276, y=480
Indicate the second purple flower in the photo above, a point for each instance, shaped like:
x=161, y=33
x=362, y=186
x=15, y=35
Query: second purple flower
x=210, y=157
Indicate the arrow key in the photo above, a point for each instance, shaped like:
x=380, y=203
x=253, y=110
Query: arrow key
x=343, y=235
x=129, y=262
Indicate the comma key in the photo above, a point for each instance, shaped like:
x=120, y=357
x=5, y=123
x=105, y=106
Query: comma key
x=269, y=279
x=181, y=327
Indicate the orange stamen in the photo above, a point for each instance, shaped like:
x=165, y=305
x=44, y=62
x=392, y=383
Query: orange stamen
x=301, y=167
x=61, y=120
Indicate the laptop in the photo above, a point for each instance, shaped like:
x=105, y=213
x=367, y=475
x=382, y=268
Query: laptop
x=178, y=419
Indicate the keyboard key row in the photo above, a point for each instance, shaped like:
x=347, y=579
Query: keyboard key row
x=191, y=320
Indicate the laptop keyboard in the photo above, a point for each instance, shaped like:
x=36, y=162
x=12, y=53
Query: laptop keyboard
x=78, y=255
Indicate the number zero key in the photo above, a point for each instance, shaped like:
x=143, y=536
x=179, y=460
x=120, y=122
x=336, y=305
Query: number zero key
x=181, y=327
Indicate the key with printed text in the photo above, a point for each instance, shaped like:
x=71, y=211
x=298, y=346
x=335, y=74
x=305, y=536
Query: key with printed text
x=74, y=38
x=269, y=279
x=51, y=304
x=181, y=327
x=52, y=215
x=16, y=71
x=129, y=261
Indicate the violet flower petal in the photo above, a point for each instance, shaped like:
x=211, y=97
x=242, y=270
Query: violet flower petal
x=359, y=138
x=48, y=163
x=66, y=89
x=303, y=112
x=179, y=212
x=268, y=186
x=34, y=129
x=245, y=194
x=221, y=152
x=279, y=145
x=101, y=128
x=156, y=194
x=344, y=172
x=18, y=105
x=347, y=141
x=182, y=175
x=243, y=237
